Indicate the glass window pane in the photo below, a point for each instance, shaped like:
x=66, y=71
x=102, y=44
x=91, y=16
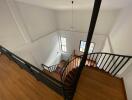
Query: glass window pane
x=82, y=47
x=63, y=44
x=91, y=48
x=64, y=48
x=63, y=39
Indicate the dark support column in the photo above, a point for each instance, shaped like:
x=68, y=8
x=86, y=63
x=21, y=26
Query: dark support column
x=95, y=13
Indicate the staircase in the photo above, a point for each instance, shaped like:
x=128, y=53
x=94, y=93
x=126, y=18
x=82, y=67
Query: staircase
x=106, y=63
x=74, y=71
x=100, y=68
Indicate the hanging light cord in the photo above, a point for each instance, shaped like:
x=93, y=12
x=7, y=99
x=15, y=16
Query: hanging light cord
x=72, y=14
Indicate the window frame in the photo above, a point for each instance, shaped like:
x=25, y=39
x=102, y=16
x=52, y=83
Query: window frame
x=90, y=43
x=62, y=44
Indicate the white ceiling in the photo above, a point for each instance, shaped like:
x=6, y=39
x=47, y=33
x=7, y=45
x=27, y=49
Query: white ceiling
x=79, y=4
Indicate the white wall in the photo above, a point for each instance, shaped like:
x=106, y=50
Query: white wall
x=73, y=41
x=127, y=75
x=43, y=51
x=120, y=38
x=38, y=21
x=10, y=35
x=120, y=35
x=106, y=47
x=47, y=49
x=81, y=23
x=27, y=54
x=82, y=19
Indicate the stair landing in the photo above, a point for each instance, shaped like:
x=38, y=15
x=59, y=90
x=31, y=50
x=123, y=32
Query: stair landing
x=97, y=85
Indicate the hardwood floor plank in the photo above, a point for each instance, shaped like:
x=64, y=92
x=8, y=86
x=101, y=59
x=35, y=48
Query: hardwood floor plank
x=17, y=84
x=96, y=85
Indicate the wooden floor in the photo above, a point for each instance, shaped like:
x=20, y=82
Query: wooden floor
x=17, y=84
x=96, y=85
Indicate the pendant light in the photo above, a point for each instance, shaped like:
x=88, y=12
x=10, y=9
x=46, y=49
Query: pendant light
x=72, y=16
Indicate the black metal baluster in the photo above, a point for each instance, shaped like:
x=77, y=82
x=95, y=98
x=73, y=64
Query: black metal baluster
x=93, y=57
x=109, y=63
x=102, y=60
x=79, y=61
x=89, y=62
x=106, y=62
x=75, y=63
x=99, y=58
x=114, y=63
x=96, y=59
x=96, y=56
x=93, y=60
x=118, y=64
x=90, y=56
x=86, y=63
x=122, y=66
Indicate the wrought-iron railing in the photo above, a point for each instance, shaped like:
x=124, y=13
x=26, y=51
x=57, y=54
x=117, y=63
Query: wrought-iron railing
x=106, y=62
x=37, y=73
x=49, y=68
x=71, y=64
x=110, y=63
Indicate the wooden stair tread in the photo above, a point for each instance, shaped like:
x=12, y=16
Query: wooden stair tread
x=96, y=85
x=53, y=74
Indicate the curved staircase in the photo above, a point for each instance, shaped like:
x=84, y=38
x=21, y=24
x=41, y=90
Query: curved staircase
x=105, y=64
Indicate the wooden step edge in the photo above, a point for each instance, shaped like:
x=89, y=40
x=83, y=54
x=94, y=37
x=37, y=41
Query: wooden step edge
x=103, y=71
x=124, y=89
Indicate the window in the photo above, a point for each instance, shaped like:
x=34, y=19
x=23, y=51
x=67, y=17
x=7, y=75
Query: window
x=63, y=44
x=82, y=46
